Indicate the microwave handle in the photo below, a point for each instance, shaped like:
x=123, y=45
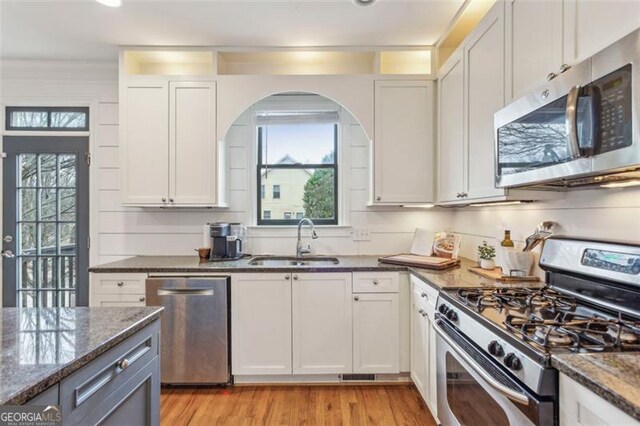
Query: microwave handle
x=571, y=122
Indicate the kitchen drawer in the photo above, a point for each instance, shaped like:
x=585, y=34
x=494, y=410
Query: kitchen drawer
x=118, y=283
x=118, y=300
x=48, y=397
x=82, y=393
x=424, y=291
x=376, y=282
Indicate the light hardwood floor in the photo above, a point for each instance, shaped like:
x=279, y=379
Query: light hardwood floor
x=295, y=405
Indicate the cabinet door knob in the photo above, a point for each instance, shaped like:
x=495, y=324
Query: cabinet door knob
x=164, y=200
x=421, y=311
x=545, y=94
x=356, y=298
x=551, y=76
x=458, y=195
x=141, y=299
x=287, y=277
x=424, y=295
x=123, y=364
x=424, y=314
x=295, y=277
x=120, y=284
x=171, y=200
x=375, y=282
x=564, y=68
x=378, y=198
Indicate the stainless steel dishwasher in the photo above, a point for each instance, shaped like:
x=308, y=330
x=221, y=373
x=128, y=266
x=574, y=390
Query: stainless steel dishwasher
x=194, y=328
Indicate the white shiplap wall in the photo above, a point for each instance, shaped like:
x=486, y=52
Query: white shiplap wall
x=119, y=232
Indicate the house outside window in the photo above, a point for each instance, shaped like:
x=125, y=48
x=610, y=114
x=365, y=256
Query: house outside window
x=287, y=215
x=299, y=215
x=262, y=192
x=266, y=215
x=276, y=192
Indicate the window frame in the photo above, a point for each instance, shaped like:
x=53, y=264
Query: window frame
x=10, y=109
x=260, y=167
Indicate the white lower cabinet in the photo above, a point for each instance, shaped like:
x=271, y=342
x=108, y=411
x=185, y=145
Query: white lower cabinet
x=117, y=290
x=261, y=323
x=579, y=406
x=322, y=323
x=423, y=342
x=376, y=333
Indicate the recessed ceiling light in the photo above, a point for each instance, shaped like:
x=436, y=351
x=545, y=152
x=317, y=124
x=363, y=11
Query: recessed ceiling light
x=363, y=2
x=110, y=3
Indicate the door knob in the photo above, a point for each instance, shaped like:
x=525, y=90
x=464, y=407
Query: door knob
x=8, y=254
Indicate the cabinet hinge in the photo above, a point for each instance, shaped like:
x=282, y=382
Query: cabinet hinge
x=4, y=155
x=88, y=242
x=87, y=158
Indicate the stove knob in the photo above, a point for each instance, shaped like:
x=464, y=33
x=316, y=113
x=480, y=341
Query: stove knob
x=451, y=315
x=512, y=362
x=495, y=349
x=443, y=309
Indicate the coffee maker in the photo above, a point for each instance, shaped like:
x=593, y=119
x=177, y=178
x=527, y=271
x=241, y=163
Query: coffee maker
x=227, y=240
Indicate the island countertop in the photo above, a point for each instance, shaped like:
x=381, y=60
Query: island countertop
x=41, y=346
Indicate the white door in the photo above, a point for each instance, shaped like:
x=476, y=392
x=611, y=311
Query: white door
x=590, y=26
x=192, y=142
x=451, y=157
x=376, y=333
x=484, y=63
x=261, y=323
x=322, y=327
x=534, y=43
x=403, y=144
x=144, y=133
x=418, y=345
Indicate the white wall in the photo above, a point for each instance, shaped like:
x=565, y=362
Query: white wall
x=610, y=214
x=120, y=232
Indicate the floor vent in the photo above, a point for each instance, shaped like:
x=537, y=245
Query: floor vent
x=358, y=377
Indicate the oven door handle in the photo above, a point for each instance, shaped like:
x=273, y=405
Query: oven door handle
x=571, y=122
x=505, y=390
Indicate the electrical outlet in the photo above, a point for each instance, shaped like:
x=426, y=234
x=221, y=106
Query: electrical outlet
x=361, y=234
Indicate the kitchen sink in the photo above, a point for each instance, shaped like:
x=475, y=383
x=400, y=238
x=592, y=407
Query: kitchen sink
x=293, y=261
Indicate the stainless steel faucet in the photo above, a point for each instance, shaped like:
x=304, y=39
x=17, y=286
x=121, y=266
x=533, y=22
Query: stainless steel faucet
x=299, y=249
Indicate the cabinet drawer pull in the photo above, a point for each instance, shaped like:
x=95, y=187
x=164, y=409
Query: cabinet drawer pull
x=142, y=299
x=287, y=277
x=164, y=200
x=424, y=314
x=551, y=76
x=120, y=283
x=295, y=277
x=421, y=311
x=123, y=364
x=87, y=389
x=171, y=200
x=378, y=198
x=424, y=295
x=375, y=282
x=356, y=298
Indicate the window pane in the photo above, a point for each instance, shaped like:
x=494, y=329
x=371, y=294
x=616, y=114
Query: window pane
x=28, y=170
x=68, y=119
x=308, y=191
x=67, y=270
x=67, y=204
x=28, y=119
x=47, y=272
x=26, y=299
x=298, y=144
x=27, y=208
x=67, y=175
x=67, y=238
x=26, y=272
x=48, y=204
x=48, y=238
x=48, y=170
x=27, y=237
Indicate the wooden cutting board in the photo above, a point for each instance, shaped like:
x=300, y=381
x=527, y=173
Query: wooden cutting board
x=428, y=262
x=496, y=274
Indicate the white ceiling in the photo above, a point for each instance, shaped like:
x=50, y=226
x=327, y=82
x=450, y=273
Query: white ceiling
x=86, y=30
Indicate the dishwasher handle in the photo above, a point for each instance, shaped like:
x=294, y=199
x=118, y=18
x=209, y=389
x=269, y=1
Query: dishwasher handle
x=185, y=292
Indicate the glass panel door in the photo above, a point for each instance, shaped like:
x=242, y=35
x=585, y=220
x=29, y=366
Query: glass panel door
x=46, y=216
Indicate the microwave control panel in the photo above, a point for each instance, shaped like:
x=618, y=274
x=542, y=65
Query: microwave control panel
x=615, y=109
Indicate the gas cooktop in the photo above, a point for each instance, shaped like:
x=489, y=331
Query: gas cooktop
x=550, y=321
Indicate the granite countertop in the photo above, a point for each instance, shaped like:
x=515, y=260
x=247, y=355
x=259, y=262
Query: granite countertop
x=41, y=346
x=613, y=376
x=187, y=264
x=460, y=277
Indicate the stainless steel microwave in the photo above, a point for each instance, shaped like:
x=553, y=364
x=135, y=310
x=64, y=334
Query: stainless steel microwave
x=580, y=129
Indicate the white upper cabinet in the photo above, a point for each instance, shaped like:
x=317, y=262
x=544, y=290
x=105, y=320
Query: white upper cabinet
x=261, y=319
x=451, y=155
x=192, y=143
x=403, y=163
x=322, y=323
x=484, y=62
x=590, y=26
x=170, y=156
x=144, y=121
x=533, y=42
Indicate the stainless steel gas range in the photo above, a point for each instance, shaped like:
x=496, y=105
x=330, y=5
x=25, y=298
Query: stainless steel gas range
x=494, y=345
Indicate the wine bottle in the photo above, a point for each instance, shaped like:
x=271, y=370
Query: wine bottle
x=506, y=242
